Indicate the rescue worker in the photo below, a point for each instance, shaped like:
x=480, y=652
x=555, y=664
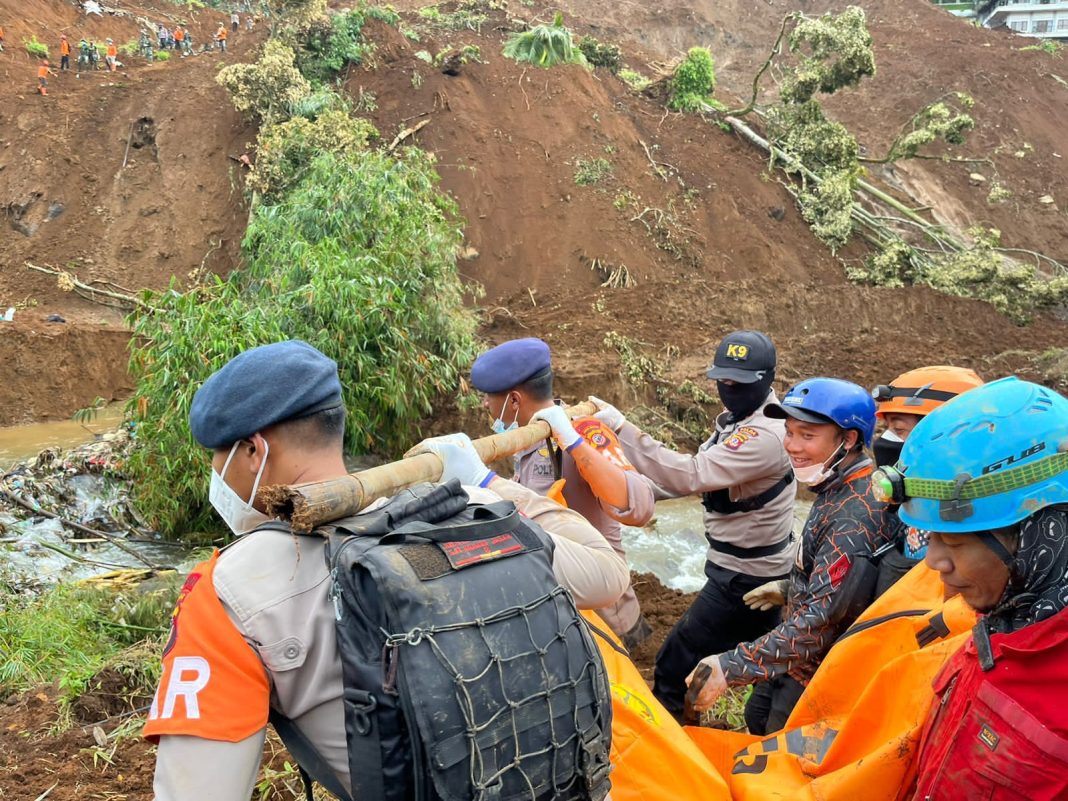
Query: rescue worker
x=901, y=405
x=64, y=54
x=586, y=470
x=987, y=475
x=179, y=38
x=111, y=57
x=162, y=34
x=748, y=491
x=829, y=423
x=84, y=55
x=145, y=45
x=235, y=21
x=43, y=71
x=1, y=38
x=220, y=38
x=274, y=415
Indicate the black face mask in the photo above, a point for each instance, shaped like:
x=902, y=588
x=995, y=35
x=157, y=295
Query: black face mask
x=741, y=400
x=886, y=451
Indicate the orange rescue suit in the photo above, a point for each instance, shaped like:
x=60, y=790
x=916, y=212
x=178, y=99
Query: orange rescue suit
x=855, y=731
x=64, y=47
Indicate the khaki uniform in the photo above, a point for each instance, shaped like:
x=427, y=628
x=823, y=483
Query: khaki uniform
x=745, y=458
x=274, y=587
x=534, y=469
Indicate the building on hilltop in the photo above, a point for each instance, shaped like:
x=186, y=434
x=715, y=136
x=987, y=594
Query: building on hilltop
x=1043, y=19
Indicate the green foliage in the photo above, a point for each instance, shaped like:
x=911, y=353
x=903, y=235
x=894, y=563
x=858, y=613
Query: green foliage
x=545, y=45
x=1050, y=47
x=635, y=80
x=386, y=14
x=318, y=102
x=266, y=90
x=601, y=54
x=36, y=48
x=296, y=16
x=802, y=130
x=938, y=121
x=287, y=149
x=592, y=171
x=71, y=632
x=833, y=52
x=358, y=259
x=89, y=413
x=828, y=207
x=130, y=48
x=694, y=81
x=162, y=55
x=980, y=271
x=333, y=43
x=467, y=15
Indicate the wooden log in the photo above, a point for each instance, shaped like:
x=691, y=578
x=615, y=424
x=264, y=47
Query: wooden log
x=306, y=506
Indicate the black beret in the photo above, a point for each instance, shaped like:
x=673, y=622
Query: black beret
x=261, y=387
x=509, y=364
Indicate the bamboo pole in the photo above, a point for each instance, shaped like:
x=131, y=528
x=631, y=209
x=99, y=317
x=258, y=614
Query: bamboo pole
x=306, y=506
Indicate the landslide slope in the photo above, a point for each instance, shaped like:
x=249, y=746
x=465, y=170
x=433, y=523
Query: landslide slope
x=68, y=202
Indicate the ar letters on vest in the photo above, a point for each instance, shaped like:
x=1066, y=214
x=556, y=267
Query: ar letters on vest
x=468, y=672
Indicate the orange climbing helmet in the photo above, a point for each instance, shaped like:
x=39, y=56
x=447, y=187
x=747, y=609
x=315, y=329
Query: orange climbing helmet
x=922, y=391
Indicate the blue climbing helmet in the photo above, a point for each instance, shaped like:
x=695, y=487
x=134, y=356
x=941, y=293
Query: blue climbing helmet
x=987, y=459
x=829, y=400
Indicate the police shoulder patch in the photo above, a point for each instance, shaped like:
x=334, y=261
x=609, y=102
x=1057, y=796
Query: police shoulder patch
x=739, y=437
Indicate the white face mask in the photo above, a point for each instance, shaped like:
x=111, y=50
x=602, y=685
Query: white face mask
x=240, y=515
x=815, y=474
x=498, y=426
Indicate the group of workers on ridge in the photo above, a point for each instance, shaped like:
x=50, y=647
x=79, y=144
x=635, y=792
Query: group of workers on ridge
x=972, y=488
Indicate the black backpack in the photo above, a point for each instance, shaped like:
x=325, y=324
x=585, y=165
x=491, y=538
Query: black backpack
x=468, y=671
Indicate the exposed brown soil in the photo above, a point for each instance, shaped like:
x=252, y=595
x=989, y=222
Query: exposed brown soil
x=710, y=243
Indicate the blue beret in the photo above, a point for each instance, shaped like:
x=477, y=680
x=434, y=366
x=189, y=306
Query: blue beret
x=509, y=364
x=261, y=387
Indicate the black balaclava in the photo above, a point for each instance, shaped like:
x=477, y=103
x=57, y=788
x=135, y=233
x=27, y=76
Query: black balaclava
x=887, y=449
x=741, y=400
x=1038, y=573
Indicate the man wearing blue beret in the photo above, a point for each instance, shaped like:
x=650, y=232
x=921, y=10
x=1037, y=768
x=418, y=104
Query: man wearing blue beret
x=254, y=628
x=582, y=466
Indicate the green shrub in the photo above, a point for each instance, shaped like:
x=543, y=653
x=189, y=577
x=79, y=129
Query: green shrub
x=265, y=90
x=162, y=55
x=591, y=171
x=332, y=44
x=130, y=48
x=359, y=260
x=386, y=14
x=599, y=54
x=36, y=48
x=545, y=45
x=635, y=80
x=694, y=81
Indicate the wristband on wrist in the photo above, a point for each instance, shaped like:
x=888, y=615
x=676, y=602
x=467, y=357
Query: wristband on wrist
x=578, y=441
x=486, y=481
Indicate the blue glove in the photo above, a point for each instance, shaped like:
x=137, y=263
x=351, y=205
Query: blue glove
x=459, y=459
x=565, y=434
x=608, y=414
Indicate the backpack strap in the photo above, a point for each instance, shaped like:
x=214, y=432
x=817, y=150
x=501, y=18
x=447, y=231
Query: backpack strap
x=488, y=520
x=310, y=762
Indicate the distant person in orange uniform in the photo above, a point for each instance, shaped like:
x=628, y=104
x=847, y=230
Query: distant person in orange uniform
x=1, y=38
x=43, y=72
x=220, y=37
x=64, y=54
x=179, y=38
x=112, y=56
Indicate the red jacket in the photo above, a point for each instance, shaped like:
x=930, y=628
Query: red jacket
x=1002, y=734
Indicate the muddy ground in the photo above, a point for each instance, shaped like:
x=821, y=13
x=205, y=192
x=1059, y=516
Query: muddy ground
x=80, y=765
x=709, y=242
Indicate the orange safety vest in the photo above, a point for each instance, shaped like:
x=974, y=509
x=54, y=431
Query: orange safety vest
x=213, y=684
x=854, y=733
x=64, y=47
x=112, y=51
x=178, y=35
x=221, y=33
x=652, y=758
x=42, y=71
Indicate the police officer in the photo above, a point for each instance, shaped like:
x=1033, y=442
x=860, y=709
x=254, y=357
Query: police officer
x=748, y=491
x=254, y=627
x=586, y=470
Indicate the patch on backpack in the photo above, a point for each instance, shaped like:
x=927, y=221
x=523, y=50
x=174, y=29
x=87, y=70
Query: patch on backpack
x=989, y=737
x=466, y=553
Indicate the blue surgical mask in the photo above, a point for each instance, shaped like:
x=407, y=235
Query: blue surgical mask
x=498, y=426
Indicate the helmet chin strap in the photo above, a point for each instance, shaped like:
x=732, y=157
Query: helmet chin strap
x=994, y=544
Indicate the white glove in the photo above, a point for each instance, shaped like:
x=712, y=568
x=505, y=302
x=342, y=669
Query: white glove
x=608, y=414
x=766, y=596
x=565, y=434
x=459, y=459
x=705, y=683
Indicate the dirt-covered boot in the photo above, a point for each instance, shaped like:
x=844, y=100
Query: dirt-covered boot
x=639, y=633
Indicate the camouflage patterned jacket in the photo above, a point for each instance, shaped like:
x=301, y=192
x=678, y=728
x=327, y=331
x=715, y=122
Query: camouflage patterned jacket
x=845, y=521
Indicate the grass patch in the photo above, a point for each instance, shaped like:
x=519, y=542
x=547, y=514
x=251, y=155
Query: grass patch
x=592, y=171
x=36, y=48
